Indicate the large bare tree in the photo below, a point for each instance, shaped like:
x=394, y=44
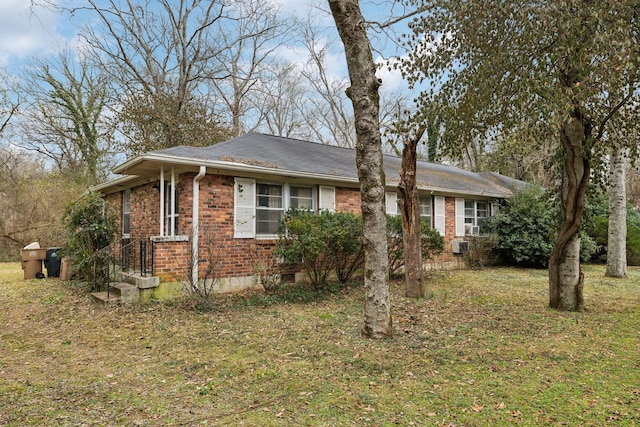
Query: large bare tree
x=364, y=95
x=159, y=58
x=251, y=35
x=10, y=100
x=65, y=118
x=330, y=117
x=282, y=103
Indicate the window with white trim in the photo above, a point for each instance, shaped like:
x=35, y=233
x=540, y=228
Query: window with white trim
x=426, y=210
x=171, y=214
x=126, y=213
x=261, y=215
x=269, y=208
x=475, y=214
x=301, y=197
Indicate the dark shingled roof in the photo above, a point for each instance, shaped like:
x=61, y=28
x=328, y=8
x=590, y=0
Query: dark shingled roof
x=294, y=155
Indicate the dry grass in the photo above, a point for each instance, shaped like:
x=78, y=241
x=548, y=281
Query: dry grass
x=482, y=349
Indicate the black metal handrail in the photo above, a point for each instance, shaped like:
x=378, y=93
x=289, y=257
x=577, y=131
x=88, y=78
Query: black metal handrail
x=127, y=256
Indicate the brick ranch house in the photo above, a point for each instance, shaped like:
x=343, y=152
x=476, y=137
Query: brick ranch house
x=237, y=191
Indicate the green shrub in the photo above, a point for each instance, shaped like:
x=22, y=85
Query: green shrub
x=345, y=244
x=321, y=244
x=90, y=226
x=525, y=226
x=598, y=230
x=432, y=243
x=588, y=247
x=633, y=236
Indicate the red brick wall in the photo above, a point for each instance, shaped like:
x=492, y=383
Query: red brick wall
x=171, y=260
x=450, y=221
x=348, y=200
x=448, y=258
x=230, y=257
x=145, y=210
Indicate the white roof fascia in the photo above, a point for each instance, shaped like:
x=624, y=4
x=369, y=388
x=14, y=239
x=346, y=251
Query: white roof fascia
x=111, y=183
x=449, y=191
x=253, y=169
x=232, y=166
x=121, y=168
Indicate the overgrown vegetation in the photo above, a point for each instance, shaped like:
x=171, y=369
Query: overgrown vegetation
x=267, y=273
x=482, y=251
x=200, y=284
x=322, y=244
x=526, y=228
x=331, y=242
x=90, y=226
x=480, y=351
x=432, y=243
x=32, y=201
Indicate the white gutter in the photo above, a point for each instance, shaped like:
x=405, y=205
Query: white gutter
x=194, y=225
x=172, y=208
x=161, y=222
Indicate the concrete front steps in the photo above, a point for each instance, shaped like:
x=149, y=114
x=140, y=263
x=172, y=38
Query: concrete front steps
x=127, y=290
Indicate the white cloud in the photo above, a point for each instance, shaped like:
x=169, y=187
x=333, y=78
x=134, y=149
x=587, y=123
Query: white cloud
x=26, y=31
x=391, y=78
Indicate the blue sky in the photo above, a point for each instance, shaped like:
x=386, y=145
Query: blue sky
x=27, y=32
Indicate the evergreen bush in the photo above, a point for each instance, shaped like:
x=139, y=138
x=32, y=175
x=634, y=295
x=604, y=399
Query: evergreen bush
x=90, y=226
x=598, y=230
x=525, y=226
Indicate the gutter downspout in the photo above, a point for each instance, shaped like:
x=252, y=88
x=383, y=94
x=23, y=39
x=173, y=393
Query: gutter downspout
x=194, y=225
x=162, y=196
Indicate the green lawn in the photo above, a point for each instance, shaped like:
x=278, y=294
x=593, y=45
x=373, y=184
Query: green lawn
x=481, y=350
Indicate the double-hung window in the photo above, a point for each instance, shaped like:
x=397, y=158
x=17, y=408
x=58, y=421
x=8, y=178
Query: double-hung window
x=171, y=211
x=273, y=200
x=259, y=207
x=269, y=208
x=426, y=210
x=301, y=197
x=475, y=214
x=126, y=213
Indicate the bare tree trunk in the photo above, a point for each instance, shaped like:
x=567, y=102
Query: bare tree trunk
x=365, y=98
x=566, y=280
x=617, y=238
x=411, y=230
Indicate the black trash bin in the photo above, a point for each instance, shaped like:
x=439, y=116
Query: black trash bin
x=52, y=262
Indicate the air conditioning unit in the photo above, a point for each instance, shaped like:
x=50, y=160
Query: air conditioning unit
x=467, y=229
x=471, y=230
x=459, y=247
